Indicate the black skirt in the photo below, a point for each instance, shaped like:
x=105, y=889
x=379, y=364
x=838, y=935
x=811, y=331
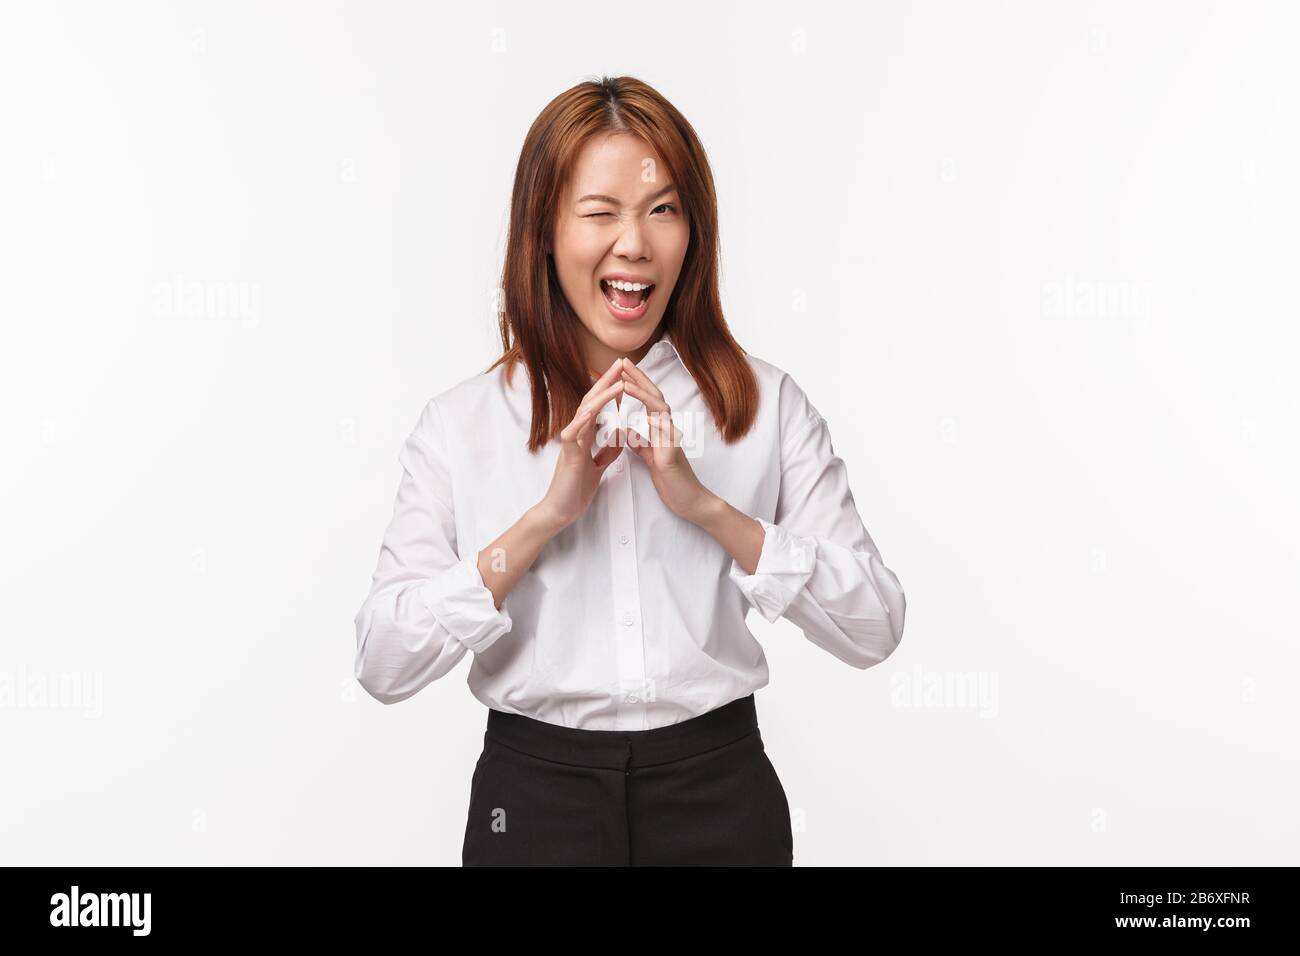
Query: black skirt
x=701, y=792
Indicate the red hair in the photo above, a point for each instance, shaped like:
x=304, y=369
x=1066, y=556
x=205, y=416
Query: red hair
x=539, y=327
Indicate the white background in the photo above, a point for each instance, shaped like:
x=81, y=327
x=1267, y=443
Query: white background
x=1034, y=263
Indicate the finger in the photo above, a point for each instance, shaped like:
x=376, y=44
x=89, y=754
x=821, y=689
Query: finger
x=654, y=402
x=596, y=376
x=569, y=434
x=598, y=400
x=641, y=378
x=592, y=404
x=612, y=374
x=663, y=432
x=592, y=430
x=639, y=445
x=607, y=455
x=586, y=432
x=583, y=420
x=636, y=441
x=582, y=432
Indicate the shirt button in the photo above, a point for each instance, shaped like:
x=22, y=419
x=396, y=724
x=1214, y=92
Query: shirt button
x=630, y=699
x=627, y=618
x=623, y=539
x=618, y=467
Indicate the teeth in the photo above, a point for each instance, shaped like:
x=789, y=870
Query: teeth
x=627, y=286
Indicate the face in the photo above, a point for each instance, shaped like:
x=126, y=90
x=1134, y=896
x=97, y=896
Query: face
x=619, y=220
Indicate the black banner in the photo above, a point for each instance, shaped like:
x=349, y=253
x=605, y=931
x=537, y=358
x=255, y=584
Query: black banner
x=1164, y=905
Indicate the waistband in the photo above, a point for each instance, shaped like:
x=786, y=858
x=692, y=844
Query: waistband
x=624, y=749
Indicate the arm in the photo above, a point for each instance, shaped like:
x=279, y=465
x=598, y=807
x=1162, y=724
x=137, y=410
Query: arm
x=815, y=565
x=427, y=606
x=524, y=541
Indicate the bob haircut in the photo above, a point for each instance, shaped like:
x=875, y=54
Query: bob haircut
x=539, y=327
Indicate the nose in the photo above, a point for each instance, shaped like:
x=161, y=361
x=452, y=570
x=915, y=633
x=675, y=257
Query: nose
x=631, y=243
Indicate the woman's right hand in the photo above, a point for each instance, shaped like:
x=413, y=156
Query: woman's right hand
x=577, y=473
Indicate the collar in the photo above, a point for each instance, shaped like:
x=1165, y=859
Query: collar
x=664, y=348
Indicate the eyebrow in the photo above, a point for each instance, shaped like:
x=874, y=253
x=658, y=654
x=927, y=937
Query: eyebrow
x=600, y=197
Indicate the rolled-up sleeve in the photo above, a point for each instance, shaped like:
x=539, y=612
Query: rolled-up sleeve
x=427, y=607
x=819, y=568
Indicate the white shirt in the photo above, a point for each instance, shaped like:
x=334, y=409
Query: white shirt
x=631, y=617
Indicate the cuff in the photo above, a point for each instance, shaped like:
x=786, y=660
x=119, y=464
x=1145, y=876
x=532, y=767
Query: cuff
x=784, y=566
x=464, y=605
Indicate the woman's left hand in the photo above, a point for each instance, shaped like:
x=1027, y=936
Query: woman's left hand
x=672, y=474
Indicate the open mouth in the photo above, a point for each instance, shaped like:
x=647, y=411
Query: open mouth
x=625, y=299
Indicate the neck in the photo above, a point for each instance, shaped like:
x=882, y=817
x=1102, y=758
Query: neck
x=600, y=356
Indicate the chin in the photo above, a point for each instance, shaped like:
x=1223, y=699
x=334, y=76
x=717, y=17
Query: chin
x=624, y=337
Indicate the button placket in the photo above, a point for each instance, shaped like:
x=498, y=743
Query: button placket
x=628, y=631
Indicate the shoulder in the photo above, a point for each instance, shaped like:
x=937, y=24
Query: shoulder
x=475, y=401
x=787, y=397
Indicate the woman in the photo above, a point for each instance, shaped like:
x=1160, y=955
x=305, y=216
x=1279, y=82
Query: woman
x=634, y=491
